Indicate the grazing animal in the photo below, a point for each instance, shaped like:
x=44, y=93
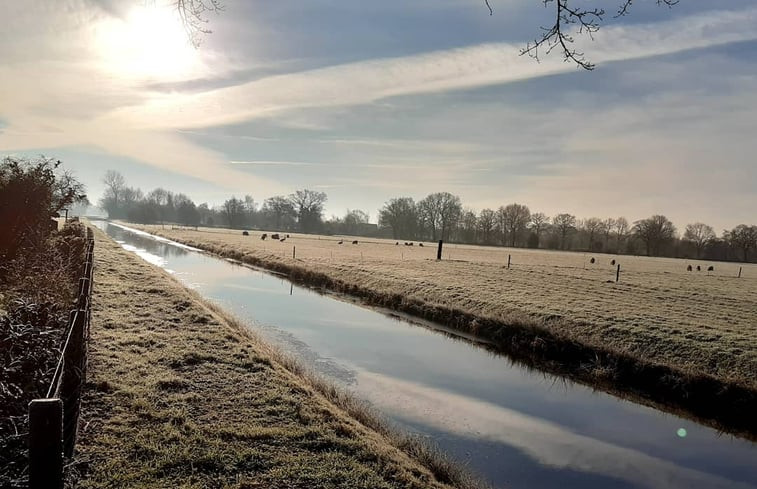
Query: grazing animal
x=264, y=236
x=688, y=269
x=612, y=262
x=699, y=269
x=275, y=236
x=592, y=260
x=411, y=244
x=245, y=233
x=354, y=242
x=340, y=241
x=420, y=244
x=710, y=268
x=397, y=243
x=287, y=235
x=283, y=239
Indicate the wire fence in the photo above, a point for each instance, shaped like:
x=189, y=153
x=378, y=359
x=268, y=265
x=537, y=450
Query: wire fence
x=53, y=420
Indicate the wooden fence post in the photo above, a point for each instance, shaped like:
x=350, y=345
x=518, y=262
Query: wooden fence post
x=72, y=380
x=617, y=274
x=83, y=298
x=439, y=250
x=739, y=273
x=294, y=252
x=46, y=444
x=508, y=262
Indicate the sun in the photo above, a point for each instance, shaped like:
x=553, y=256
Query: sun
x=150, y=43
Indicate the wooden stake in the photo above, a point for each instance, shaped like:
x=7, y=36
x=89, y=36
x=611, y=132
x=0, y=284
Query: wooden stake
x=739, y=273
x=508, y=262
x=617, y=274
x=439, y=250
x=46, y=444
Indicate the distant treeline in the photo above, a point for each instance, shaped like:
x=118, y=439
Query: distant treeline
x=440, y=215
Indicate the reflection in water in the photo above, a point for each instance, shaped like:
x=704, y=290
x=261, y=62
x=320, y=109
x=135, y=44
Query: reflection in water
x=547, y=442
x=516, y=427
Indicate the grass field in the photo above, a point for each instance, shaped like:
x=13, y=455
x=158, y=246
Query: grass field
x=696, y=321
x=180, y=396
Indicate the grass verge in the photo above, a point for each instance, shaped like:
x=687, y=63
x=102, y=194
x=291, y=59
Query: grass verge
x=179, y=395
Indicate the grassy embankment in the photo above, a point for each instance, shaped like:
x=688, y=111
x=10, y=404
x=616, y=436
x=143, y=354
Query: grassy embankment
x=180, y=396
x=684, y=341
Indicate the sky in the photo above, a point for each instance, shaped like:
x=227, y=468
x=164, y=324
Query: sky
x=367, y=101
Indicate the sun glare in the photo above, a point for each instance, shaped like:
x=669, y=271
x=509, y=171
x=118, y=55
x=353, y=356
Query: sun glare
x=149, y=44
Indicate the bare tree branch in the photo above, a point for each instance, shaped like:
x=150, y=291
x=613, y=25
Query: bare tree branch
x=193, y=17
x=586, y=21
x=570, y=21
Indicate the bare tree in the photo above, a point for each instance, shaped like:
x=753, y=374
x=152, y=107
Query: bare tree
x=111, y=200
x=186, y=210
x=353, y=221
x=279, y=209
x=501, y=224
x=564, y=224
x=160, y=199
x=440, y=211
x=486, y=225
x=654, y=231
x=593, y=227
x=621, y=231
x=468, y=226
x=539, y=222
x=401, y=215
x=743, y=238
x=308, y=204
x=517, y=217
x=606, y=228
x=233, y=210
x=699, y=234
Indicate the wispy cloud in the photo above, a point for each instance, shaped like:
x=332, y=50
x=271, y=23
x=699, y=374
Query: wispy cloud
x=366, y=81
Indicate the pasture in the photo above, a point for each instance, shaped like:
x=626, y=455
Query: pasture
x=700, y=322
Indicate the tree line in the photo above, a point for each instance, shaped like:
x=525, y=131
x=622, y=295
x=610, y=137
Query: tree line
x=300, y=211
x=439, y=215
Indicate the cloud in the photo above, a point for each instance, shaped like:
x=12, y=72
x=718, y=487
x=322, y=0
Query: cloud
x=487, y=64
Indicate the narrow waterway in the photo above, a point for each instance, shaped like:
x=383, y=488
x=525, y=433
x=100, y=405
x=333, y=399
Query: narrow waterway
x=515, y=427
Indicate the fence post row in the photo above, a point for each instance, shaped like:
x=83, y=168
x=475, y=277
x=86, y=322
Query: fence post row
x=53, y=421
